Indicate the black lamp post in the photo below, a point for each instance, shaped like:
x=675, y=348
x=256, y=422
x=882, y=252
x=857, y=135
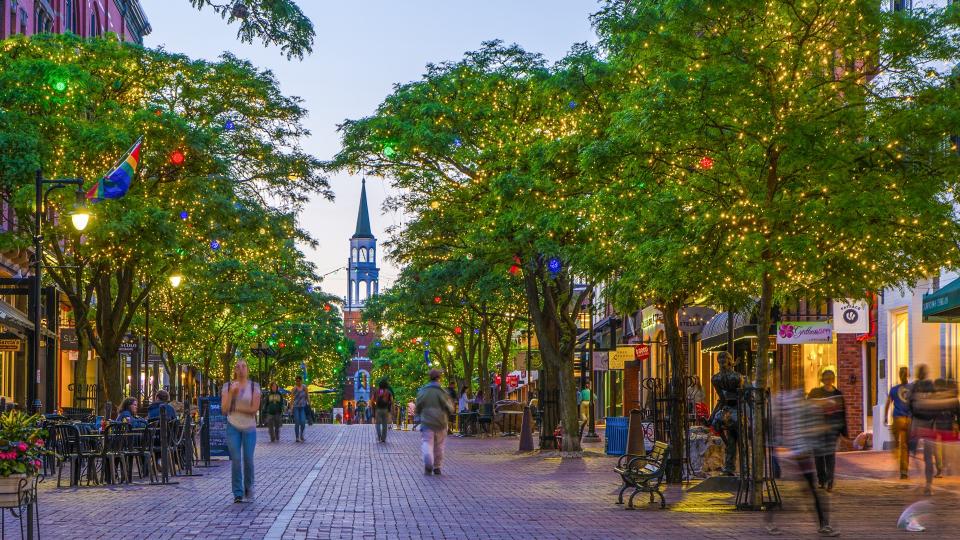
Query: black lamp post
x=79, y=218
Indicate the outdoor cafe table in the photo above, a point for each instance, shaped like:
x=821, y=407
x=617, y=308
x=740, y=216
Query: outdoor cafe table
x=468, y=422
x=93, y=442
x=510, y=420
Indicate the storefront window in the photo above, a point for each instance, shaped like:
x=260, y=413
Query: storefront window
x=817, y=358
x=6, y=375
x=951, y=350
x=899, y=344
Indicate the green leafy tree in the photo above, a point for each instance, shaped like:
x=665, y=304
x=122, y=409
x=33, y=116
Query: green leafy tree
x=274, y=22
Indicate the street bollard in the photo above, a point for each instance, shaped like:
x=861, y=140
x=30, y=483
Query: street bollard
x=526, y=431
x=164, y=450
x=188, y=437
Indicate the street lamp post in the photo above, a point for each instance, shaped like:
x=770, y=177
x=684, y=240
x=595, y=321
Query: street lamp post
x=80, y=218
x=592, y=433
x=175, y=280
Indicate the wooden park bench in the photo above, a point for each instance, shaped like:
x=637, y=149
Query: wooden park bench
x=643, y=473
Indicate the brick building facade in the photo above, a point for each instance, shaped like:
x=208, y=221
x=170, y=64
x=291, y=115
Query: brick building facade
x=86, y=18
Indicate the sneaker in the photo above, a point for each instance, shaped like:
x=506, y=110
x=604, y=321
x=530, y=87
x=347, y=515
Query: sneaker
x=238, y=499
x=436, y=472
x=827, y=530
x=427, y=470
x=249, y=495
x=830, y=486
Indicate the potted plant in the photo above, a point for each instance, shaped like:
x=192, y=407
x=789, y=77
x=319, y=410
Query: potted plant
x=22, y=448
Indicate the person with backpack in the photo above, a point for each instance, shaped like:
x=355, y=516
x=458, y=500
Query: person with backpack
x=241, y=399
x=434, y=408
x=382, y=403
x=274, y=411
x=298, y=406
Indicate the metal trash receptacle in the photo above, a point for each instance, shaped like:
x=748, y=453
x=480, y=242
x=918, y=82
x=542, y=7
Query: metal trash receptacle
x=616, y=435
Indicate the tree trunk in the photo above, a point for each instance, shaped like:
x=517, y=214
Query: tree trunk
x=112, y=375
x=677, y=391
x=80, y=368
x=761, y=381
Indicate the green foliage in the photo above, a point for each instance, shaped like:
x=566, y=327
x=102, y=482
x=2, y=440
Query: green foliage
x=274, y=22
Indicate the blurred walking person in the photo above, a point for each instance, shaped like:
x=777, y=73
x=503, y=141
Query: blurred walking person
x=240, y=398
x=382, y=403
x=934, y=413
x=798, y=433
x=899, y=399
x=274, y=411
x=434, y=408
x=833, y=410
x=298, y=406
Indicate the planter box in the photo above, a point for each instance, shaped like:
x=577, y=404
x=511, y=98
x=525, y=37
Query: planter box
x=10, y=488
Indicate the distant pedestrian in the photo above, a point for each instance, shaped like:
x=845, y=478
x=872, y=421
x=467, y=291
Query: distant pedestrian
x=161, y=401
x=833, y=412
x=434, y=407
x=361, y=412
x=452, y=392
x=298, y=406
x=274, y=411
x=798, y=434
x=350, y=413
x=240, y=398
x=584, y=399
x=382, y=402
x=412, y=413
x=899, y=399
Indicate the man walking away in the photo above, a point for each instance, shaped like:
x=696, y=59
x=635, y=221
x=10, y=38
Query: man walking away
x=274, y=411
x=899, y=399
x=382, y=402
x=434, y=408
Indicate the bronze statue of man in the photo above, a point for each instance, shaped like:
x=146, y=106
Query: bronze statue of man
x=727, y=384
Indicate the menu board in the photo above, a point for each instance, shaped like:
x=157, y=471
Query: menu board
x=215, y=434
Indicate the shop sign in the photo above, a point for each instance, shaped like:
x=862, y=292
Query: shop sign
x=601, y=360
x=621, y=356
x=691, y=320
x=851, y=316
x=641, y=352
x=68, y=339
x=799, y=332
x=10, y=342
x=650, y=317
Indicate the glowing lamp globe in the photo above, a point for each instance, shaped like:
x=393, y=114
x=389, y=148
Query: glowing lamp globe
x=175, y=280
x=80, y=218
x=60, y=85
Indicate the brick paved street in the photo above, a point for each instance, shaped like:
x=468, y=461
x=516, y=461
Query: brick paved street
x=341, y=484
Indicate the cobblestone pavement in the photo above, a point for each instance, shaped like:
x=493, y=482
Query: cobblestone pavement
x=342, y=484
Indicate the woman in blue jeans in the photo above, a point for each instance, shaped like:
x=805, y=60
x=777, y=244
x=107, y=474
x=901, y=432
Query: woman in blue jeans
x=298, y=406
x=240, y=399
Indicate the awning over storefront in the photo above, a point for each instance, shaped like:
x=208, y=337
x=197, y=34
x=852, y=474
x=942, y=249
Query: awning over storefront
x=714, y=335
x=943, y=306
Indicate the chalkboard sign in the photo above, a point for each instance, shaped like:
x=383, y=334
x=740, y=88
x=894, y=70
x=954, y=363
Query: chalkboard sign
x=215, y=430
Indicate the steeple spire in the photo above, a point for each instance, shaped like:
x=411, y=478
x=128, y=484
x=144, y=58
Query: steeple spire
x=363, y=217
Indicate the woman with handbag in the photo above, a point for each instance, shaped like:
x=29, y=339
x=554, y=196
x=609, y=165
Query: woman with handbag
x=241, y=399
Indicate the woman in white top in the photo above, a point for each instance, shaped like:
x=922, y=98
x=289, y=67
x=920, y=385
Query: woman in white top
x=464, y=404
x=240, y=401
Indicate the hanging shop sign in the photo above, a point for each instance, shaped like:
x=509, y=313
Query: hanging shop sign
x=68, y=339
x=601, y=360
x=691, y=320
x=851, y=316
x=10, y=342
x=641, y=352
x=799, y=332
x=621, y=356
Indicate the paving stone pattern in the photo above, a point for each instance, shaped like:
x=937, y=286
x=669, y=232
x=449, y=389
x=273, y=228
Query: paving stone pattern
x=342, y=484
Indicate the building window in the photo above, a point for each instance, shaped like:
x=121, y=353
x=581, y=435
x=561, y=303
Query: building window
x=68, y=16
x=42, y=20
x=23, y=21
x=899, y=344
x=901, y=5
x=363, y=255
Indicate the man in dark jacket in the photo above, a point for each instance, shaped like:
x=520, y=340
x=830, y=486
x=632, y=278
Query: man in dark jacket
x=161, y=400
x=833, y=415
x=434, y=408
x=274, y=411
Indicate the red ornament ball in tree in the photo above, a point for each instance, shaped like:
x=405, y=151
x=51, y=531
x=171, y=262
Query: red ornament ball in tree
x=457, y=330
x=177, y=157
x=437, y=299
x=326, y=307
x=514, y=269
x=706, y=163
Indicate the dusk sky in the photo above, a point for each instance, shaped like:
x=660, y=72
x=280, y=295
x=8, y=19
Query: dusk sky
x=362, y=49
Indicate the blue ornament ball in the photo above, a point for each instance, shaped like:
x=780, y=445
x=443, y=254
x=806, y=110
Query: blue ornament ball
x=554, y=265
x=184, y=215
x=572, y=104
x=229, y=125
x=214, y=245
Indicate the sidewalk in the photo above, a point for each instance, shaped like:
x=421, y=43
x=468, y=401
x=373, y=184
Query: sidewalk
x=342, y=484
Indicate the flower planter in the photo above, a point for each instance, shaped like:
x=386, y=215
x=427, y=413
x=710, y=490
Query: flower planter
x=10, y=488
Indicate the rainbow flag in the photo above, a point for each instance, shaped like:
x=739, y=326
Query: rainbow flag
x=115, y=183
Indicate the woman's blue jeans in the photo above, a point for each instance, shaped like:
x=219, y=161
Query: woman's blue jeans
x=240, y=444
x=299, y=421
